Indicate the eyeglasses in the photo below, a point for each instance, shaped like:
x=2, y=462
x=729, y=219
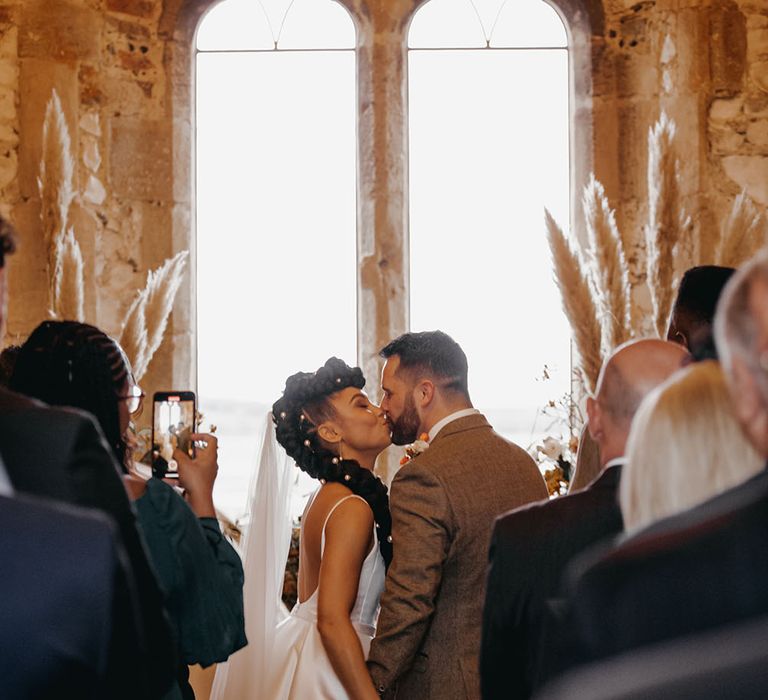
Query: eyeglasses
x=134, y=400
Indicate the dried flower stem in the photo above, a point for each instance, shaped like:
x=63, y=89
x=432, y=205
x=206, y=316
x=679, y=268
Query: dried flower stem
x=666, y=220
x=608, y=267
x=577, y=300
x=743, y=233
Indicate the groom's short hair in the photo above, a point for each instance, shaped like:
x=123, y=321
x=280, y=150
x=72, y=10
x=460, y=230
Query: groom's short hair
x=434, y=354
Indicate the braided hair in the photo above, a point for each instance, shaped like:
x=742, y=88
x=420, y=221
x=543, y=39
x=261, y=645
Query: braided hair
x=297, y=414
x=66, y=363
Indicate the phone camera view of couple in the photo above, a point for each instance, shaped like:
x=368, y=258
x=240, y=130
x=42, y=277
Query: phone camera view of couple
x=391, y=581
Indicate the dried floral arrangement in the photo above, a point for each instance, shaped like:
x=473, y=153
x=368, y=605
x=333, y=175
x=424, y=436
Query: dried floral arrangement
x=147, y=317
x=594, y=280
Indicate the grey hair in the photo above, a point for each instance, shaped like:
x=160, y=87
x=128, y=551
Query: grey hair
x=736, y=329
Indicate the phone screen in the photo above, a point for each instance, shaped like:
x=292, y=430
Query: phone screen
x=173, y=423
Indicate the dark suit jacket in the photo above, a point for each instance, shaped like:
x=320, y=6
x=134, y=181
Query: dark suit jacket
x=443, y=506
x=61, y=454
x=530, y=549
x=727, y=662
x=686, y=574
x=65, y=605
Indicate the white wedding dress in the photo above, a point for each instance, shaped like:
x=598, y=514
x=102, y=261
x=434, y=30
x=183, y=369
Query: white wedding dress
x=301, y=669
x=285, y=658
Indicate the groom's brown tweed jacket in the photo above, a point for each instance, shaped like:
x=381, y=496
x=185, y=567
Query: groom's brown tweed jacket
x=444, y=503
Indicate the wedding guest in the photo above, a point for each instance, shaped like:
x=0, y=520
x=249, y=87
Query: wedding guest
x=61, y=454
x=679, y=457
x=74, y=364
x=532, y=545
x=8, y=357
x=73, y=633
x=443, y=503
x=707, y=566
x=690, y=323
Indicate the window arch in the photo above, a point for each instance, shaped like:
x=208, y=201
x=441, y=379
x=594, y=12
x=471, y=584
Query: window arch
x=276, y=211
x=489, y=149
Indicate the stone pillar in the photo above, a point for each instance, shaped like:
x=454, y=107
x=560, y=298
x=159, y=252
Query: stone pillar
x=382, y=194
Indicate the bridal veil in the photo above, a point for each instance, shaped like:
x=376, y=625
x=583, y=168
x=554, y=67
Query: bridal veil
x=265, y=551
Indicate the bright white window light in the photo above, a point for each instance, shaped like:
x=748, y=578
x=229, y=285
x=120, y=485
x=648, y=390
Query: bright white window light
x=488, y=152
x=276, y=212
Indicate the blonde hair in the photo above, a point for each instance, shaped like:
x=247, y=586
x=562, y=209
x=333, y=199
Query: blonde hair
x=685, y=446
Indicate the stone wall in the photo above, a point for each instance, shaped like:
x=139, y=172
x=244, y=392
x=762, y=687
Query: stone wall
x=123, y=71
x=704, y=62
x=113, y=70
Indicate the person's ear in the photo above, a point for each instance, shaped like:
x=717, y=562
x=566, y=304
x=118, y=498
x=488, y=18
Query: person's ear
x=594, y=419
x=329, y=432
x=423, y=393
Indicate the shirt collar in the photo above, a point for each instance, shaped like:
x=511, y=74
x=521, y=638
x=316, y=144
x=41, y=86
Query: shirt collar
x=5, y=482
x=437, y=427
x=616, y=461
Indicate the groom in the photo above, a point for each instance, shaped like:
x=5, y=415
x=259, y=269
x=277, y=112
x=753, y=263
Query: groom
x=444, y=502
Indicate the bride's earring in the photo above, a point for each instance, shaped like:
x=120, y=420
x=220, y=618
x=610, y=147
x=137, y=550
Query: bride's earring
x=341, y=456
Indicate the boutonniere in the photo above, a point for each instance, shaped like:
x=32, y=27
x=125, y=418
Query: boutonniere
x=415, y=448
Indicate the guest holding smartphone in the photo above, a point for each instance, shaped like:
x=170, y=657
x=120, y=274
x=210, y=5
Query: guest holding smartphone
x=66, y=363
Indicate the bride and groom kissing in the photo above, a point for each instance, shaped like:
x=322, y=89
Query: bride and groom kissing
x=390, y=584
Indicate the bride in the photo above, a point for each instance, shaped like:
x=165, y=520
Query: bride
x=327, y=425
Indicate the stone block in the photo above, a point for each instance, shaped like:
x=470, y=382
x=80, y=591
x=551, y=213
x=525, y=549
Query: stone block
x=146, y=9
x=757, y=133
x=90, y=123
x=182, y=160
x=726, y=141
x=37, y=79
x=725, y=110
x=9, y=73
x=59, y=30
x=125, y=96
x=91, y=153
x=141, y=159
x=727, y=47
x=9, y=40
x=749, y=173
x=759, y=73
x=90, y=79
x=757, y=42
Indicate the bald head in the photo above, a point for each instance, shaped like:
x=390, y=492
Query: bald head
x=741, y=335
x=629, y=374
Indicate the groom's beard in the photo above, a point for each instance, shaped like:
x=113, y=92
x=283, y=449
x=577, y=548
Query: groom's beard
x=406, y=428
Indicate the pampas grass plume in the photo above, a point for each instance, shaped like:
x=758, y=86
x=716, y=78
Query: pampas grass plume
x=743, y=233
x=665, y=219
x=68, y=292
x=133, y=337
x=56, y=170
x=609, y=270
x=577, y=300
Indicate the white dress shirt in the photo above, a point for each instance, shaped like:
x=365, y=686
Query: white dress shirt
x=437, y=427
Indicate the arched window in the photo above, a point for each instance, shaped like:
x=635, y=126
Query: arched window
x=488, y=111
x=276, y=211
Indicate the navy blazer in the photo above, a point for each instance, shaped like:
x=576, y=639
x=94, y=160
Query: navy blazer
x=530, y=549
x=65, y=605
x=61, y=454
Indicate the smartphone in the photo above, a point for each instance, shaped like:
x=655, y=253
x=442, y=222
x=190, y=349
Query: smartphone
x=173, y=423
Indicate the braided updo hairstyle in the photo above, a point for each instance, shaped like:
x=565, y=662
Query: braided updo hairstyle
x=66, y=363
x=303, y=406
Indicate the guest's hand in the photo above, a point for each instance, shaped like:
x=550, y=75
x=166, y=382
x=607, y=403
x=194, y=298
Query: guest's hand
x=197, y=475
